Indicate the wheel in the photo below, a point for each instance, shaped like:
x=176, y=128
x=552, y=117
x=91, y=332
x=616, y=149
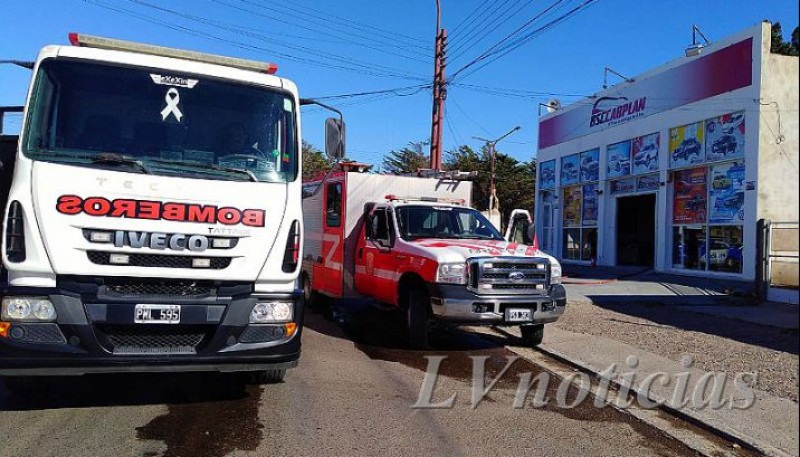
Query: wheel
x=532, y=335
x=418, y=316
x=273, y=376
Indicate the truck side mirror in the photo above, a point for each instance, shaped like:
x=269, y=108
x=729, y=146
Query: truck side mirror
x=334, y=138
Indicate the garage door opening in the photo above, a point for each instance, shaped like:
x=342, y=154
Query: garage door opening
x=636, y=230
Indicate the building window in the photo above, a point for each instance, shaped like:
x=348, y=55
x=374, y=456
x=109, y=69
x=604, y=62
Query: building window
x=572, y=244
x=725, y=245
x=580, y=209
x=333, y=213
x=689, y=247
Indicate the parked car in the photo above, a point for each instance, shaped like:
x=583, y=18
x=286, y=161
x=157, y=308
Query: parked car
x=721, y=254
x=646, y=156
x=697, y=202
x=732, y=201
x=721, y=181
x=590, y=169
x=724, y=145
x=688, y=148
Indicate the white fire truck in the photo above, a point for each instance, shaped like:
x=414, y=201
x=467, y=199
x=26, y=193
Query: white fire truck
x=415, y=243
x=153, y=220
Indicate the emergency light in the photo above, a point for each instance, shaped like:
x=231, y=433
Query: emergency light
x=89, y=41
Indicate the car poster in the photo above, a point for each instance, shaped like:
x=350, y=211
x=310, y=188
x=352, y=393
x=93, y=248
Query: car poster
x=619, y=159
x=623, y=186
x=686, y=145
x=725, y=137
x=547, y=175
x=727, y=193
x=645, y=153
x=590, y=204
x=570, y=170
x=590, y=165
x=572, y=206
x=691, y=193
x=647, y=183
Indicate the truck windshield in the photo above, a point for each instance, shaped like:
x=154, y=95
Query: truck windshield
x=418, y=222
x=160, y=122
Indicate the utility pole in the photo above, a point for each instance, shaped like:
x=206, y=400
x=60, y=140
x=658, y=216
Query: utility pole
x=492, y=144
x=439, y=90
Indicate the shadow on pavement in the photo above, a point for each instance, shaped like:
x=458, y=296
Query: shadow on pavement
x=654, y=309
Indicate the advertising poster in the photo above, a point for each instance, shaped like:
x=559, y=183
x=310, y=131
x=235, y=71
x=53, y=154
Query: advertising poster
x=572, y=206
x=727, y=193
x=570, y=170
x=647, y=183
x=590, y=165
x=691, y=193
x=687, y=145
x=623, y=186
x=590, y=204
x=547, y=175
x=645, y=153
x=619, y=159
x=725, y=137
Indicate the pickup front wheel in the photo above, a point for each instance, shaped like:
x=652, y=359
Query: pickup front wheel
x=418, y=316
x=532, y=335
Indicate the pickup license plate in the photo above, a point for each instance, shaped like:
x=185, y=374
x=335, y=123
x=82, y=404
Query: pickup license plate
x=157, y=314
x=519, y=315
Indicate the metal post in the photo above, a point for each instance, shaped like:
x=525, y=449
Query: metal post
x=492, y=144
x=437, y=116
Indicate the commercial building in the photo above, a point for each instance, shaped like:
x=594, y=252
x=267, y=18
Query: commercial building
x=673, y=168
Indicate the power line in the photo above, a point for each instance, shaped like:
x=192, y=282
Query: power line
x=479, y=27
x=481, y=5
x=396, y=91
x=481, y=9
x=490, y=27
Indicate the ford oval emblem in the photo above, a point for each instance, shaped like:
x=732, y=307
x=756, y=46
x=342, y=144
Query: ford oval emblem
x=516, y=276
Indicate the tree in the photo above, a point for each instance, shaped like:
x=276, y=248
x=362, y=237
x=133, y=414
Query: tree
x=778, y=46
x=315, y=162
x=514, y=180
x=407, y=160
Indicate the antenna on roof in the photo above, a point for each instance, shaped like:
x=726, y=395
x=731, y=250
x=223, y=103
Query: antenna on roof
x=696, y=48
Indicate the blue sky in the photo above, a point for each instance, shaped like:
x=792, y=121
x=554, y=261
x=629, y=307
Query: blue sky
x=354, y=46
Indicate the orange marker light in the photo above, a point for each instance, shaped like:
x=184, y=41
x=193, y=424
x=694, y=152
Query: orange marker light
x=291, y=327
x=4, y=326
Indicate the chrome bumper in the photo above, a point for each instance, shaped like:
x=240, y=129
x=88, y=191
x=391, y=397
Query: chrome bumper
x=452, y=303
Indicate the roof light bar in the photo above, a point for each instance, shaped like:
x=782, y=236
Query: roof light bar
x=89, y=41
x=453, y=201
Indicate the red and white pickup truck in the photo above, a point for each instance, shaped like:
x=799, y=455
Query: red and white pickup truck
x=415, y=243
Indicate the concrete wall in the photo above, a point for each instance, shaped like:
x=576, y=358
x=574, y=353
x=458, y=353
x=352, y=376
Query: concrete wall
x=779, y=160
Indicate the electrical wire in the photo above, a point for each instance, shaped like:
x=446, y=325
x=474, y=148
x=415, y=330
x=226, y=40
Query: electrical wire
x=396, y=91
x=489, y=28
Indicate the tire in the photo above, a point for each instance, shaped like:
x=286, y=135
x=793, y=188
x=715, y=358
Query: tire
x=273, y=376
x=313, y=300
x=532, y=335
x=418, y=317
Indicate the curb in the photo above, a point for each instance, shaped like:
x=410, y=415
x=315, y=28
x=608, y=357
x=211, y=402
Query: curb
x=725, y=433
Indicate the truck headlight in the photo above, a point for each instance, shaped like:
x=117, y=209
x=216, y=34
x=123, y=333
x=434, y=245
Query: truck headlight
x=452, y=273
x=555, y=273
x=271, y=312
x=27, y=309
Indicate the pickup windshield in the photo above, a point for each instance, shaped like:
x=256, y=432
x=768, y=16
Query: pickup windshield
x=160, y=122
x=418, y=222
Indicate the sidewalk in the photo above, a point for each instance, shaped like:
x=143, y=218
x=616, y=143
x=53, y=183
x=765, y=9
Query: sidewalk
x=665, y=321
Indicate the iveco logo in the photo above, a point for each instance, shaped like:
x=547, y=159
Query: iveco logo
x=516, y=276
x=175, y=242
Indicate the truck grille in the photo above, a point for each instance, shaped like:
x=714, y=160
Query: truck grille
x=510, y=276
x=157, y=260
x=147, y=340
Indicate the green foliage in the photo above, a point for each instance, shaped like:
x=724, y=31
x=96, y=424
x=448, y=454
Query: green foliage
x=315, y=162
x=407, y=160
x=514, y=180
x=782, y=47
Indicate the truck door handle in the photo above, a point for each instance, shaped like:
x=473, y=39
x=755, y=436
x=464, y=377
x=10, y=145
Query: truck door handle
x=400, y=257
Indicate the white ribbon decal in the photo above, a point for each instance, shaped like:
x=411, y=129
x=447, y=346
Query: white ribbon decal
x=172, y=98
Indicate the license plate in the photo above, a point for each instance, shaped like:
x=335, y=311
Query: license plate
x=157, y=314
x=519, y=315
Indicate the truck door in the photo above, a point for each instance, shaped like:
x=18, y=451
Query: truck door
x=332, y=240
x=520, y=228
x=375, y=260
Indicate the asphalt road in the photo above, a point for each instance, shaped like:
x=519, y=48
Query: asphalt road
x=351, y=395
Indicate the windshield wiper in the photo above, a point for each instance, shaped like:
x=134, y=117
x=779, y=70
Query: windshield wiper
x=121, y=160
x=209, y=166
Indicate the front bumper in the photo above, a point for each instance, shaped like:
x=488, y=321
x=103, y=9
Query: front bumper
x=96, y=334
x=457, y=304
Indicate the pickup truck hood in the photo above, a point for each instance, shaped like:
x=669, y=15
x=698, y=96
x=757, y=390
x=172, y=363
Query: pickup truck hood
x=156, y=226
x=450, y=250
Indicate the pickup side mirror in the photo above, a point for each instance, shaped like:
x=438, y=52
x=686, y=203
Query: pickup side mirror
x=334, y=138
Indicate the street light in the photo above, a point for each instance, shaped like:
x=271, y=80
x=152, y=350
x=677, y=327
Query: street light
x=492, y=144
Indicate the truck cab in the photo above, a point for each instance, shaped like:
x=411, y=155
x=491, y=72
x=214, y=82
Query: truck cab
x=430, y=254
x=153, y=220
